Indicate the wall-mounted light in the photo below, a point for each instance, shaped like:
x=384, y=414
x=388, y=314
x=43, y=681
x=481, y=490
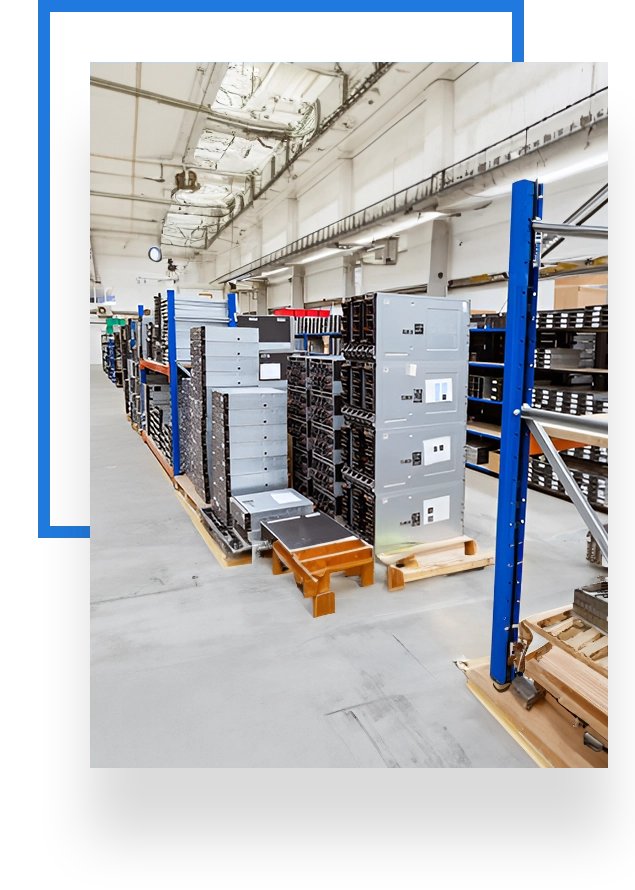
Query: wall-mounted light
x=155, y=254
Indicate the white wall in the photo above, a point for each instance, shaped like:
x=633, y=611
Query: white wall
x=121, y=273
x=97, y=328
x=449, y=122
x=493, y=101
x=319, y=205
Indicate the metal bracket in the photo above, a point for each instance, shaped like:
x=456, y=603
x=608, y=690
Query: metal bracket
x=570, y=485
x=525, y=689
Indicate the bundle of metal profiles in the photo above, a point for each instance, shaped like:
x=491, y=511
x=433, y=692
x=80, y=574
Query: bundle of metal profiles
x=249, y=444
x=190, y=312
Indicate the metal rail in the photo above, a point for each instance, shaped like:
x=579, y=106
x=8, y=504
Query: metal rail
x=570, y=230
x=567, y=421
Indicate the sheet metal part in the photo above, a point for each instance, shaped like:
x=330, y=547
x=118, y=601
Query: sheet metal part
x=249, y=511
x=405, y=409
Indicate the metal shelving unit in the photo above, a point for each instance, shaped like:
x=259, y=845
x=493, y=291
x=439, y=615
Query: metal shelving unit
x=520, y=422
x=170, y=370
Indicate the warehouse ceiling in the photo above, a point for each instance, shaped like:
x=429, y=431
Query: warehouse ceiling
x=177, y=148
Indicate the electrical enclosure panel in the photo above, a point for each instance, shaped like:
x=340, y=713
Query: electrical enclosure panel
x=404, y=390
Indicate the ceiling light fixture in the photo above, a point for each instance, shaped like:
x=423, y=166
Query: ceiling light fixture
x=155, y=254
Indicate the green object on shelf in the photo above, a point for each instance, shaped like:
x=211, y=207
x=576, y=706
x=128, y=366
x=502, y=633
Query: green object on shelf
x=112, y=323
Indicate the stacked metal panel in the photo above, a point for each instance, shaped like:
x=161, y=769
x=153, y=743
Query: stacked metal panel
x=191, y=312
x=298, y=423
x=158, y=411
x=587, y=317
x=485, y=386
x=570, y=399
x=591, y=602
x=220, y=356
x=231, y=356
x=405, y=409
x=249, y=444
x=326, y=419
x=185, y=388
x=131, y=371
x=581, y=354
x=591, y=477
x=196, y=431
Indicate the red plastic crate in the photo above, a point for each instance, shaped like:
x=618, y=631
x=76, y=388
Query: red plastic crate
x=303, y=313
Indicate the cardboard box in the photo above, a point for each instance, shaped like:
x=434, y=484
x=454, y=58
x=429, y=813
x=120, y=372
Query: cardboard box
x=494, y=461
x=579, y=291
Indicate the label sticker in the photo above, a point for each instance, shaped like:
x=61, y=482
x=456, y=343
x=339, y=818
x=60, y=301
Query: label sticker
x=411, y=370
x=284, y=497
x=436, y=450
x=439, y=390
x=436, y=509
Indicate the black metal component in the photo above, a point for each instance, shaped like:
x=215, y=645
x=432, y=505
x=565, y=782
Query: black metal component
x=525, y=689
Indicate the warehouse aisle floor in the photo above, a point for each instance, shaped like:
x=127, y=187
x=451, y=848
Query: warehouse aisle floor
x=194, y=665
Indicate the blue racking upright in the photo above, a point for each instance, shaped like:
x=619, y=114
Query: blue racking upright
x=519, y=421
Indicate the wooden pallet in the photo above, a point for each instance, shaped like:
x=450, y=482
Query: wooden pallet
x=548, y=732
x=458, y=554
x=192, y=503
x=312, y=568
x=575, y=636
x=578, y=688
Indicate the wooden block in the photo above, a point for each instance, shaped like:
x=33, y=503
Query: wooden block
x=395, y=579
x=597, y=649
x=584, y=637
x=575, y=685
x=367, y=573
x=400, y=554
x=324, y=604
x=558, y=627
x=546, y=732
x=562, y=627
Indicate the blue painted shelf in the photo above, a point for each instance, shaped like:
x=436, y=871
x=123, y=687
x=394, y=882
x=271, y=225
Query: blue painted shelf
x=481, y=469
x=486, y=401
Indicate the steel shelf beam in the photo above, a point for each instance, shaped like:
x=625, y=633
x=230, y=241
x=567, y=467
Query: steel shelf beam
x=570, y=230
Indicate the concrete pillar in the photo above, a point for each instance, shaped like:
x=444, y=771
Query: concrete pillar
x=297, y=288
x=261, y=301
x=438, y=277
x=345, y=172
x=348, y=277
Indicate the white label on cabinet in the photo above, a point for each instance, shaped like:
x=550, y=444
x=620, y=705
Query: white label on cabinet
x=270, y=371
x=439, y=390
x=436, y=509
x=436, y=450
x=286, y=497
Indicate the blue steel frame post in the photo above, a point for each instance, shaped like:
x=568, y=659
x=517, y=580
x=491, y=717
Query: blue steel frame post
x=174, y=384
x=232, y=310
x=520, y=343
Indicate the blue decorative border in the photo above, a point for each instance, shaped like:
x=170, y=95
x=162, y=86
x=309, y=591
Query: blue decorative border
x=73, y=34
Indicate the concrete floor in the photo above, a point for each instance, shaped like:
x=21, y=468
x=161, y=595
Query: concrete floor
x=194, y=665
